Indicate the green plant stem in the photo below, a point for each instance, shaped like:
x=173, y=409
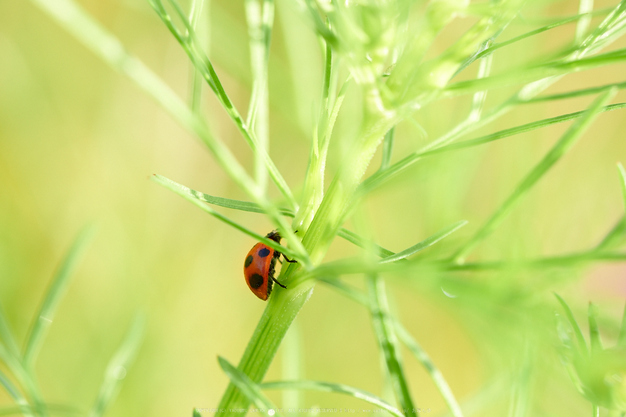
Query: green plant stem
x=384, y=330
x=282, y=309
x=285, y=305
x=260, y=22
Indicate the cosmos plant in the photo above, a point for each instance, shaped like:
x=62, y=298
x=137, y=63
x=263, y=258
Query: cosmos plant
x=384, y=65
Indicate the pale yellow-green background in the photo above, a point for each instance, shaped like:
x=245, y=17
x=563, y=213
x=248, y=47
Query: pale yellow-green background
x=79, y=141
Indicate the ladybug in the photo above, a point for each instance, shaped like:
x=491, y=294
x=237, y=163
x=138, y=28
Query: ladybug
x=258, y=268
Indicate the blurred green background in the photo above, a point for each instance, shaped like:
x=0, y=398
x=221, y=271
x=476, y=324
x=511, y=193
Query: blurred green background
x=78, y=143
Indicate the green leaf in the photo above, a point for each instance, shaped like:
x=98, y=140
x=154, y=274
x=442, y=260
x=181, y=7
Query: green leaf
x=203, y=64
x=615, y=238
x=387, y=148
x=594, y=332
x=101, y=42
x=431, y=240
x=6, y=336
x=117, y=367
x=381, y=177
x=622, y=174
x=7, y=384
x=362, y=243
x=48, y=408
x=255, y=208
x=334, y=388
x=576, y=93
x=248, y=388
x=25, y=380
x=384, y=330
x=248, y=206
x=580, y=339
x=434, y=373
x=55, y=292
x=260, y=20
x=572, y=19
x=558, y=150
x=406, y=338
x=535, y=72
x=221, y=201
x=197, y=7
x=197, y=199
x=347, y=290
x=196, y=413
x=514, y=131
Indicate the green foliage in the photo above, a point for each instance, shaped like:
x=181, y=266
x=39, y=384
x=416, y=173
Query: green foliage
x=27, y=394
x=597, y=372
x=388, y=58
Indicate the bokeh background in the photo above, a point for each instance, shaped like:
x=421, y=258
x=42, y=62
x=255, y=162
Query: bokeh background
x=78, y=143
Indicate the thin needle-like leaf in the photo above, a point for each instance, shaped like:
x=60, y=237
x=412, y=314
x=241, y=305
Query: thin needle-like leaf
x=580, y=339
x=55, y=292
x=255, y=208
x=197, y=7
x=248, y=388
x=334, y=388
x=384, y=330
x=204, y=65
x=436, y=375
x=101, y=42
x=408, y=340
x=594, y=332
x=118, y=367
x=28, y=410
x=6, y=336
x=190, y=195
x=25, y=380
x=431, y=240
x=558, y=150
x=490, y=50
x=622, y=174
x=537, y=72
x=513, y=131
x=615, y=237
x=220, y=201
x=362, y=243
x=381, y=177
x=10, y=388
x=575, y=93
x=387, y=148
x=585, y=7
x=260, y=18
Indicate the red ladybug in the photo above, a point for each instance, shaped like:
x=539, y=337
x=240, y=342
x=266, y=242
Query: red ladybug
x=258, y=268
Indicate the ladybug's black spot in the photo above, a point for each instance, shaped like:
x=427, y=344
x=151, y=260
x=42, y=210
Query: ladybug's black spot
x=263, y=252
x=249, y=260
x=256, y=281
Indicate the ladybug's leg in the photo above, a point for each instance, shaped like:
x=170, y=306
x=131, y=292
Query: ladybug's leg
x=288, y=260
x=274, y=279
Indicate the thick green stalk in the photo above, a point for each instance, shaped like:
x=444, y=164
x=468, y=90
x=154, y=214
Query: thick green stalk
x=284, y=305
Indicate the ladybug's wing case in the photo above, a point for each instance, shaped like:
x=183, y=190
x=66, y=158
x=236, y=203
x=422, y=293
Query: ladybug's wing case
x=257, y=270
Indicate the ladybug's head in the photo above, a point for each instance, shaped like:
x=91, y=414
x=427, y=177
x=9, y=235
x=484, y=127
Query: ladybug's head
x=274, y=235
